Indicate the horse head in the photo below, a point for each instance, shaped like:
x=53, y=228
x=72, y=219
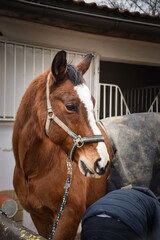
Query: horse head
x=69, y=100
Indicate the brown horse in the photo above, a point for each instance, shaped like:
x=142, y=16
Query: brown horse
x=41, y=144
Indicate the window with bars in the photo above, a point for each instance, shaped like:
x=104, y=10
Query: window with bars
x=19, y=65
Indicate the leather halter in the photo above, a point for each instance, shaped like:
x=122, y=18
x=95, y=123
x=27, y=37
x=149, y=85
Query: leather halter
x=78, y=141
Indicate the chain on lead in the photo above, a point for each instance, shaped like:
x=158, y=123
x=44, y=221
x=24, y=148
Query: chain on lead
x=66, y=187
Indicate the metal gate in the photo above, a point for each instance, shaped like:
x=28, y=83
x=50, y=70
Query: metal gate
x=155, y=106
x=113, y=102
x=144, y=99
x=20, y=64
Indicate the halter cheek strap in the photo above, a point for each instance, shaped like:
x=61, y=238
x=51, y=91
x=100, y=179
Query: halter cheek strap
x=78, y=141
x=51, y=116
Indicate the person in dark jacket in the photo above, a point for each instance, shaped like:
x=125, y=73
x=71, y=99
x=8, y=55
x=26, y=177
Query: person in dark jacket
x=124, y=214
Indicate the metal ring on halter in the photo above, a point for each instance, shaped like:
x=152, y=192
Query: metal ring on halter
x=79, y=141
x=82, y=141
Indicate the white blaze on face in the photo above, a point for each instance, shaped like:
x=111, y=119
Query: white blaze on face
x=85, y=97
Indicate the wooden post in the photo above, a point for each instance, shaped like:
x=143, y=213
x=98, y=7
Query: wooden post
x=10, y=230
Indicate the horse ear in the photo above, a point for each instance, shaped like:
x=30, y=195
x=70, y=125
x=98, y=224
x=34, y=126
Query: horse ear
x=85, y=63
x=59, y=65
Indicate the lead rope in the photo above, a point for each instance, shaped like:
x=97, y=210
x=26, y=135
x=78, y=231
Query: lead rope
x=66, y=186
x=3, y=213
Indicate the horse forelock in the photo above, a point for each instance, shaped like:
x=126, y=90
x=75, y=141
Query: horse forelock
x=74, y=75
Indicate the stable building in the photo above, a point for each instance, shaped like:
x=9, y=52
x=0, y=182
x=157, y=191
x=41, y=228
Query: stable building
x=124, y=76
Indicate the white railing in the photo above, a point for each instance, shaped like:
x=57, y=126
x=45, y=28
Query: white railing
x=112, y=102
x=155, y=106
x=19, y=64
x=141, y=99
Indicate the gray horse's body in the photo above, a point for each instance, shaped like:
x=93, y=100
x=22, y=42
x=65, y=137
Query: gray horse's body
x=135, y=140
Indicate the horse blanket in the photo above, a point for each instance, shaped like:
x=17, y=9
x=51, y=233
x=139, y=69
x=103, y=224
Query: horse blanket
x=135, y=141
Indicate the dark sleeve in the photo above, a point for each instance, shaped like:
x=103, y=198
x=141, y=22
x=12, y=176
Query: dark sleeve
x=154, y=228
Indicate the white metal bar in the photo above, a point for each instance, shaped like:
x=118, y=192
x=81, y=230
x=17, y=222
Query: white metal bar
x=108, y=85
x=42, y=59
x=121, y=103
x=110, y=101
x=97, y=104
x=5, y=59
x=152, y=109
x=15, y=75
x=154, y=103
x=128, y=97
x=116, y=102
x=34, y=58
x=6, y=119
x=157, y=104
x=104, y=101
x=96, y=88
x=126, y=107
x=24, y=62
x=75, y=59
x=90, y=77
x=51, y=56
x=124, y=101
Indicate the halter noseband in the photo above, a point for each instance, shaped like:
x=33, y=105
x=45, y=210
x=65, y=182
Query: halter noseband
x=78, y=141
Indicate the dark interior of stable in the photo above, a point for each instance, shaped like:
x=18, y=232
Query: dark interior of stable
x=140, y=84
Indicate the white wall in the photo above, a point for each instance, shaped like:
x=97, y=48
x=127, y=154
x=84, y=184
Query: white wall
x=6, y=156
x=113, y=49
x=7, y=164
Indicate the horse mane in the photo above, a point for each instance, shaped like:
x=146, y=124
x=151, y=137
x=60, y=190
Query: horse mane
x=74, y=75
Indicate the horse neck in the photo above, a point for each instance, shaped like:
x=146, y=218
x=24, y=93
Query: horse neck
x=48, y=156
x=29, y=134
x=39, y=155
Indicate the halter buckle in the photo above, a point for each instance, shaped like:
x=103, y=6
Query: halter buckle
x=79, y=141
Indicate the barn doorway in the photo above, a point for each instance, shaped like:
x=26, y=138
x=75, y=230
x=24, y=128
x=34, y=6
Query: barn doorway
x=139, y=86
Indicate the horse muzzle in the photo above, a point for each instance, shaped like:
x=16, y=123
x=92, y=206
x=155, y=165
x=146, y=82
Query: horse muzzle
x=97, y=171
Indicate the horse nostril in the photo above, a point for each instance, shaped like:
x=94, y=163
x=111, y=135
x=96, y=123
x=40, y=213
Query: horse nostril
x=99, y=170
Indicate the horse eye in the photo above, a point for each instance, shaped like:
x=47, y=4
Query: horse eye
x=71, y=107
